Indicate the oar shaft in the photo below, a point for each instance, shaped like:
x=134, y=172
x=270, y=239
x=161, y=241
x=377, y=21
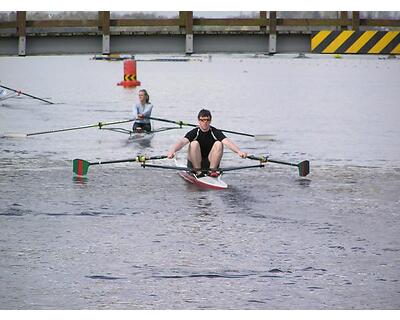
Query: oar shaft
x=113, y=161
x=99, y=125
x=144, y=165
x=181, y=123
x=283, y=162
x=81, y=167
x=137, y=159
x=239, y=133
x=60, y=130
x=240, y=168
x=266, y=159
x=304, y=166
x=26, y=94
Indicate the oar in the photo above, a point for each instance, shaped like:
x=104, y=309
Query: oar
x=304, y=166
x=181, y=123
x=25, y=94
x=98, y=125
x=80, y=167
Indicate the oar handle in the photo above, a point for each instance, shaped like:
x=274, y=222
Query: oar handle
x=261, y=158
x=26, y=94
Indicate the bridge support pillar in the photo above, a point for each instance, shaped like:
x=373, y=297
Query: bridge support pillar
x=272, y=43
x=106, y=44
x=189, y=44
x=272, y=32
x=21, y=45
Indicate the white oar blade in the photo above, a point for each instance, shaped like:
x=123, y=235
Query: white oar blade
x=14, y=135
x=265, y=137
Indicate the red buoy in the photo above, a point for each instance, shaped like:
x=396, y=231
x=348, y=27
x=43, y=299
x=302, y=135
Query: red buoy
x=129, y=74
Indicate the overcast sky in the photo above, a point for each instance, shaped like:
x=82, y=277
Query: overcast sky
x=199, y=5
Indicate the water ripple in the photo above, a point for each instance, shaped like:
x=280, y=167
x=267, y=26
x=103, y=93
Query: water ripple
x=103, y=277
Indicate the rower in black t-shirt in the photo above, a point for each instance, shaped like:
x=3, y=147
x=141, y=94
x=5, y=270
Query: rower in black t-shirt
x=206, y=146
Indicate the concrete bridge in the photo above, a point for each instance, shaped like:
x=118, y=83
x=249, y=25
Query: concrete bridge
x=185, y=34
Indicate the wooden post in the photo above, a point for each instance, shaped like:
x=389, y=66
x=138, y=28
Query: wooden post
x=343, y=20
x=182, y=21
x=356, y=21
x=21, y=32
x=189, y=32
x=263, y=15
x=272, y=32
x=104, y=26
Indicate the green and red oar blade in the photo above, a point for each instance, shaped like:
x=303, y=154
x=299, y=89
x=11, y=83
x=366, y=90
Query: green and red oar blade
x=304, y=168
x=80, y=167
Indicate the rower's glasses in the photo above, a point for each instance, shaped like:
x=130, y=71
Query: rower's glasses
x=205, y=119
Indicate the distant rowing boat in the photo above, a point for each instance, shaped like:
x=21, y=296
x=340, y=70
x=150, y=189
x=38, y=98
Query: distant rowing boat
x=114, y=57
x=121, y=57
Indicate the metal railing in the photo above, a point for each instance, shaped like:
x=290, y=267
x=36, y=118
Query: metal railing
x=267, y=22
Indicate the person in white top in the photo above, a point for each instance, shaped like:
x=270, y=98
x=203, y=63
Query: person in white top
x=141, y=112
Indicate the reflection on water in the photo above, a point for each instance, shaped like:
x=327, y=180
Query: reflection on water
x=304, y=182
x=79, y=180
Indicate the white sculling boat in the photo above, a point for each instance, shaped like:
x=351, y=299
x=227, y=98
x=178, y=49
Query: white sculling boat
x=206, y=182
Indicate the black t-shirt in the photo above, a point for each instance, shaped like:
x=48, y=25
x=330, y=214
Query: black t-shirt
x=205, y=139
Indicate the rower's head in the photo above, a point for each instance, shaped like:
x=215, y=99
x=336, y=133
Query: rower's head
x=144, y=96
x=204, y=117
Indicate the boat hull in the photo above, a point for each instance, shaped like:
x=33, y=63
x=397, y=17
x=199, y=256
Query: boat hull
x=141, y=136
x=204, y=182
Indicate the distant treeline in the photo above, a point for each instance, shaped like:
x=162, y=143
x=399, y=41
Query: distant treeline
x=81, y=15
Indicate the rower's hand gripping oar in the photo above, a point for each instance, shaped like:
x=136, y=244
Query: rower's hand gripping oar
x=97, y=125
x=181, y=123
x=80, y=167
x=304, y=166
x=25, y=94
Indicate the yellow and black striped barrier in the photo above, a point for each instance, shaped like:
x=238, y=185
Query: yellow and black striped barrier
x=360, y=42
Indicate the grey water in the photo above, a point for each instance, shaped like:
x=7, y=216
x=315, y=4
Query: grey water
x=127, y=237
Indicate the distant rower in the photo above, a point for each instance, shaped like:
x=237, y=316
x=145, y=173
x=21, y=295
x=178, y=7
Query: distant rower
x=141, y=112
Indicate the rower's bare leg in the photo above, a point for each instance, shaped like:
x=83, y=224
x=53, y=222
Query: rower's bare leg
x=194, y=154
x=215, y=154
